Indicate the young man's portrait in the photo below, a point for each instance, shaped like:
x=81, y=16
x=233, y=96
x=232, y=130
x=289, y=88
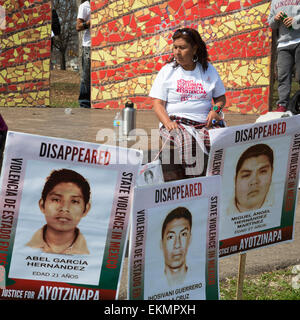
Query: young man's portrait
x=253, y=177
x=65, y=200
x=175, y=248
x=64, y=211
x=175, y=240
x=148, y=176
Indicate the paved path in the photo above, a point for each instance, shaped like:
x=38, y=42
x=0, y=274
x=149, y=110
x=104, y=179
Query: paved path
x=84, y=124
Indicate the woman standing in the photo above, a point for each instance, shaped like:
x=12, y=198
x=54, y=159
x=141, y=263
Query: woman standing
x=183, y=92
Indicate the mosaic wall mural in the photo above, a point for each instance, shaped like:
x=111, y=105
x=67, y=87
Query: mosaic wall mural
x=131, y=41
x=25, y=48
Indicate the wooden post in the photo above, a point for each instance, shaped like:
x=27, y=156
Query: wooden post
x=241, y=275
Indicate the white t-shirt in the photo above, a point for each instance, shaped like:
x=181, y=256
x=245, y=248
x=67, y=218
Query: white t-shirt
x=188, y=93
x=84, y=13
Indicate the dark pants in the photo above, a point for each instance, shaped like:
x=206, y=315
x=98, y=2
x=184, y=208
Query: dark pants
x=287, y=58
x=85, y=81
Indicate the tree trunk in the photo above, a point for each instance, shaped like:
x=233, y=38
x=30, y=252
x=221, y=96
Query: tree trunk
x=63, y=60
x=78, y=2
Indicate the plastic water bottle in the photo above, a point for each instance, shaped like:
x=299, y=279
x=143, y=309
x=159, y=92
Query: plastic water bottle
x=68, y=111
x=117, y=126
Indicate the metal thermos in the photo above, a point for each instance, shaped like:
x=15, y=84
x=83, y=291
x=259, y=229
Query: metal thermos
x=128, y=117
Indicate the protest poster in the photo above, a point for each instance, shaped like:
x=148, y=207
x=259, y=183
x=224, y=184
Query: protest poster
x=150, y=173
x=173, y=247
x=65, y=209
x=259, y=166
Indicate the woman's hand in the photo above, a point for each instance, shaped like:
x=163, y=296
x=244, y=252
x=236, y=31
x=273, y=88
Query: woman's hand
x=288, y=22
x=278, y=16
x=171, y=125
x=213, y=115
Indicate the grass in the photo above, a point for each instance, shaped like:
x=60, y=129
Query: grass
x=64, y=88
x=63, y=94
x=275, y=285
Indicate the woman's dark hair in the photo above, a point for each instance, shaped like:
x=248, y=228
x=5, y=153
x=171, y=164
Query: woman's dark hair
x=66, y=175
x=193, y=37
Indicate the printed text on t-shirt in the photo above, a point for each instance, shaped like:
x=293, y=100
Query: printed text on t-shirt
x=285, y=3
x=190, y=90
